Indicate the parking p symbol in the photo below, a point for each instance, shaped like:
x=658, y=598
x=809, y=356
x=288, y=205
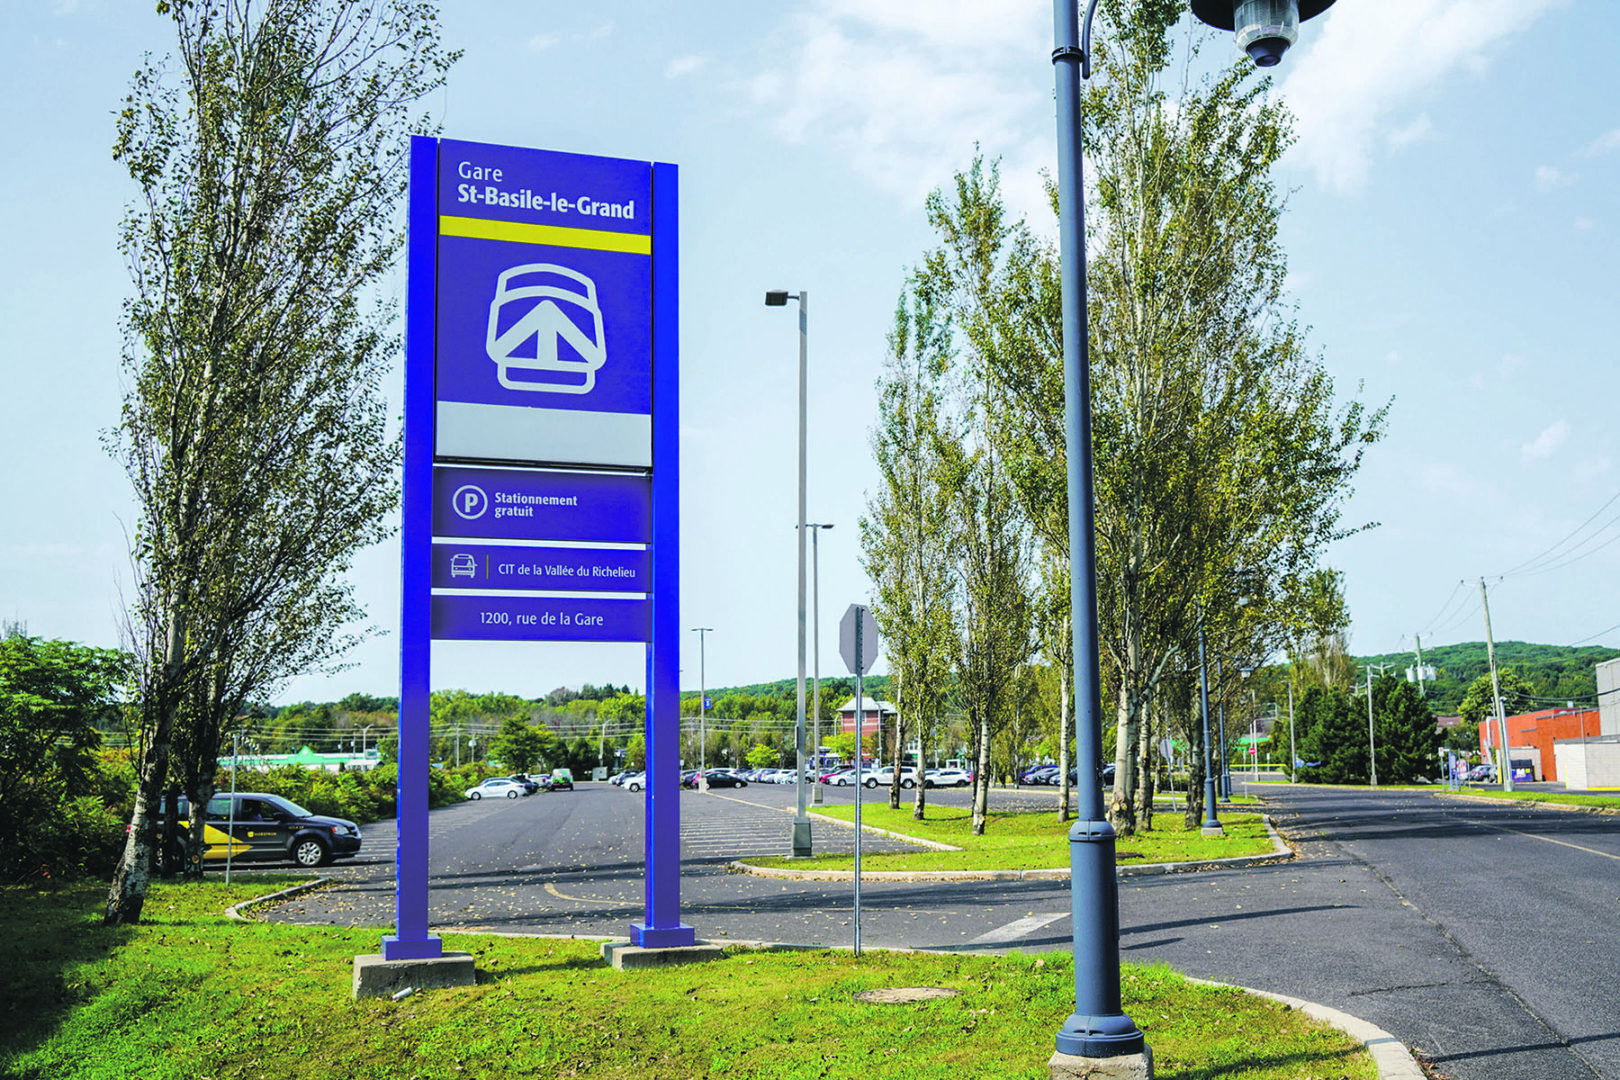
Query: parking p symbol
x=469, y=501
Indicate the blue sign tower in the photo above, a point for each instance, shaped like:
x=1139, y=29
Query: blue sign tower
x=542, y=457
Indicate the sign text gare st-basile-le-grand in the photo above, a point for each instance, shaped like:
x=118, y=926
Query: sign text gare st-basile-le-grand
x=544, y=360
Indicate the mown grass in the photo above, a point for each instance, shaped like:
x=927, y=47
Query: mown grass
x=1558, y=798
x=191, y=994
x=1025, y=841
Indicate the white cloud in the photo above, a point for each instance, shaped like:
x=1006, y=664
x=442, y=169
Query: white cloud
x=1550, y=178
x=1585, y=224
x=1415, y=132
x=1603, y=144
x=64, y=7
x=682, y=65
x=1364, y=63
x=541, y=42
x=1551, y=438
x=903, y=88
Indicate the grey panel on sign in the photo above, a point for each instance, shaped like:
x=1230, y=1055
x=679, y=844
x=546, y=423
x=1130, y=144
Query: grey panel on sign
x=562, y=436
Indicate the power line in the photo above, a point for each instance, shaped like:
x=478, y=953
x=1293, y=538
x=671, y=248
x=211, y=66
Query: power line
x=1525, y=567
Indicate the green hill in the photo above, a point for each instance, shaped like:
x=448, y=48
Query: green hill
x=1558, y=673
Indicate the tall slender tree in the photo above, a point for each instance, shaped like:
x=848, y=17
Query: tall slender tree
x=268, y=153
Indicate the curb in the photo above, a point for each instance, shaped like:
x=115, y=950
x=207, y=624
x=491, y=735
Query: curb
x=1391, y=1057
x=235, y=911
x=1280, y=852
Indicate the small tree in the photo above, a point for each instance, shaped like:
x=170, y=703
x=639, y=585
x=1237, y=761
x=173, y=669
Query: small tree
x=517, y=745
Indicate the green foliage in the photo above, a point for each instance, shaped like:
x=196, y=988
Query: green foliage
x=519, y=746
x=55, y=697
x=1550, y=674
x=1408, y=742
x=1479, y=702
x=1332, y=732
x=763, y=756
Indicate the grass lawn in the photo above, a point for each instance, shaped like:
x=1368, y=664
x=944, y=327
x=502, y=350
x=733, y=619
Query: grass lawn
x=191, y=994
x=1560, y=798
x=1026, y=841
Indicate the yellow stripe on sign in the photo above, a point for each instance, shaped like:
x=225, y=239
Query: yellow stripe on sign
x=523, y=232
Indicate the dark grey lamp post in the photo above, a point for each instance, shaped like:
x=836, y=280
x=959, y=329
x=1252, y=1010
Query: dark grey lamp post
x=1099, y=1027
x=801, y=821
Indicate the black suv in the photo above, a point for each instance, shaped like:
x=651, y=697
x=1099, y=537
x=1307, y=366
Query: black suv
x=261, y=826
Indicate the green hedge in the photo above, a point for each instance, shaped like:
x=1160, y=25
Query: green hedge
x=360, y=797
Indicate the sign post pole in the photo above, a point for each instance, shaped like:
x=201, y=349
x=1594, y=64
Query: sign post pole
x=662, y=927
x=858, y=645
x=411, y=940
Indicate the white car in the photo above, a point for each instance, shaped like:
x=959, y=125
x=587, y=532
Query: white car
x=946, y=778
x=884, y=777
x=495, y=787
x=634, y=781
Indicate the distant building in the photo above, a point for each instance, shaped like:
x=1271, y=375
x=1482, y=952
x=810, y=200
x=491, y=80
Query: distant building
x=873, y=713
x=1531, y=737
x=1608, y=688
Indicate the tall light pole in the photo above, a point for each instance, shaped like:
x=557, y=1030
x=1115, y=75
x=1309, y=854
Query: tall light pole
x=1098, y=1027
x=815, y=653
x=703, y=633
x=779, y=298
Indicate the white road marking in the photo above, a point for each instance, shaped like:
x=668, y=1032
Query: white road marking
x=1017, y=929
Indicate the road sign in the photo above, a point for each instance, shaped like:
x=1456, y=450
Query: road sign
x=858, y=617
x=542, y=504
x=531, y=567
x=544, y=306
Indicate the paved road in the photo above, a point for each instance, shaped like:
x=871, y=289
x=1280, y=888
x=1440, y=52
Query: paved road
x=1481, y=934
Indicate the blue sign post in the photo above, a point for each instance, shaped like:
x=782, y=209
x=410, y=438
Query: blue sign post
x=541, y=452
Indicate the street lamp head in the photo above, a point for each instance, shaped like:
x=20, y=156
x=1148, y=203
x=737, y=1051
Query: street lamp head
x=1264, y=28
x=776, y=298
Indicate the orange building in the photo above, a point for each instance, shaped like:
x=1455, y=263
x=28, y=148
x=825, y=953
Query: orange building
x=1531, y=735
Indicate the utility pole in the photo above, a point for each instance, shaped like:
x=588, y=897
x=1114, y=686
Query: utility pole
x=1419, y=639
x=1496, y=693
x=1372, y=746
x=1293, y=754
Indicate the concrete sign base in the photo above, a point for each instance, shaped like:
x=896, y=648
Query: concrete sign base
x=1124, y=1067
x=627, y=957
x=376, y=977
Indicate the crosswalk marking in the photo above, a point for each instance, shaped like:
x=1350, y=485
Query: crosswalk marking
x=1017, y=928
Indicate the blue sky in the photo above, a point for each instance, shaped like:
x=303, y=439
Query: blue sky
x=1452, y=232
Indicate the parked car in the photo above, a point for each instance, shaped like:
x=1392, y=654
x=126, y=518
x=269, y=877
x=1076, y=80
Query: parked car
x=530, y=785
x=1040, y=774
x=252, y=825
x=1482, y=774
x=562, y=780
x=841, y=778
x=496, y=787
x=884, y=777
x=947, y=778
x=715, y=778
x=634, y=781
